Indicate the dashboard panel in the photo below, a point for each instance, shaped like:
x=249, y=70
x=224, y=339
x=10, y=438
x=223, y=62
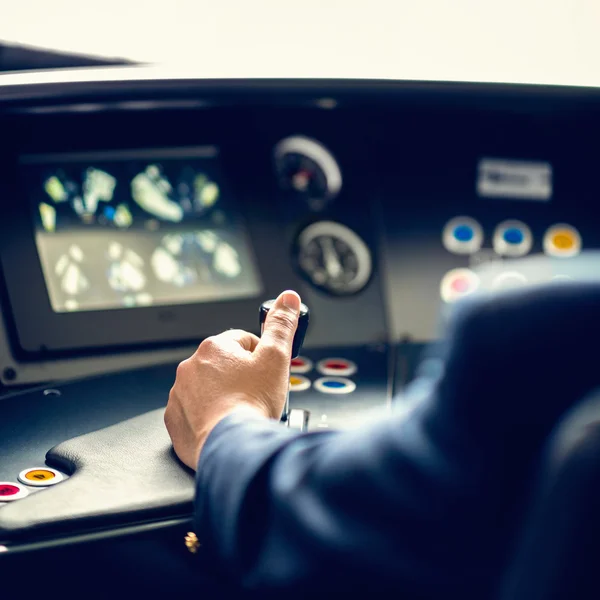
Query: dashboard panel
x=142, y=214
x=149, y=217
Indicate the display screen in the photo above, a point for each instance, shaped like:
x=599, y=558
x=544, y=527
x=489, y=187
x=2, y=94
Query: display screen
x=138, y=228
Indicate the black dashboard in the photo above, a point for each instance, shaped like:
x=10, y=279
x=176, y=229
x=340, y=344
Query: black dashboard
x=141, y=214
x=357, y=198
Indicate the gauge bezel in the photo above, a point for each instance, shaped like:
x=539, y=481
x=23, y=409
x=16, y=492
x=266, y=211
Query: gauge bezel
x=353, y=241
x=315, y=151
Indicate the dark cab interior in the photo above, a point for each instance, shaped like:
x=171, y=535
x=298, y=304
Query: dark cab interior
x=142, y=213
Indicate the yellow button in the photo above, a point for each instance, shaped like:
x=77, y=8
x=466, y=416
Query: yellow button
x=299, y=383
x=562, y=240
x=39, y=475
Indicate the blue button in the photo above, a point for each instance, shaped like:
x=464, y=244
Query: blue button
x=463, y=233
x=512, y=235
x=334, y=384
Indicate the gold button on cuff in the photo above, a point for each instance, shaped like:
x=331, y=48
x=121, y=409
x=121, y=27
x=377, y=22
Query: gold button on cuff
x=191, y=542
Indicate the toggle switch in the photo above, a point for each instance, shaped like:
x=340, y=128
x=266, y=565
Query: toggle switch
x=298, y=419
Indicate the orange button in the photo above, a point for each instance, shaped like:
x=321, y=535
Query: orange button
x=563, y=240
x=40, y=476
x=299, y=383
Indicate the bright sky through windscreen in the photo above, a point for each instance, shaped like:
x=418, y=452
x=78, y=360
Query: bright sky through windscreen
x=541, y=41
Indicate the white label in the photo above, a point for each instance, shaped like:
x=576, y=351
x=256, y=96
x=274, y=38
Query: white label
x=497, y=178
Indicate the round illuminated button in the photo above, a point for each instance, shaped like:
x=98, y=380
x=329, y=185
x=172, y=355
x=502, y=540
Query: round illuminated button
x=40, y=476
x=336, y=366
x=509, y=280
x=462, y=235
x=335, y=385
x=562, y=240
x=299, y=383
x=300, y=365
x=458, y=283
x=562, y=278
x=512, y=238
x=10, y=491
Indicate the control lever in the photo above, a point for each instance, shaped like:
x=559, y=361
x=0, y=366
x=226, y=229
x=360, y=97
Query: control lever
x=300, y=417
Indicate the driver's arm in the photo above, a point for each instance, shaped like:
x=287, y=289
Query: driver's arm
x=425, y=503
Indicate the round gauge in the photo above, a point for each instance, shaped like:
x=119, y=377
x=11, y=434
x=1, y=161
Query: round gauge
x=334, y=258
x=306, y=167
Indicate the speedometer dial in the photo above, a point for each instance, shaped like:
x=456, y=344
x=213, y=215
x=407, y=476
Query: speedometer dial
x=334, y=258
x=305, y=167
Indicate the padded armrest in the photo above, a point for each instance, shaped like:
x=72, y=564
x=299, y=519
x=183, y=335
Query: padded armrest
x=120, y=475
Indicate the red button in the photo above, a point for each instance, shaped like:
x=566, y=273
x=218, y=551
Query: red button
x=297, y=362
x=336, y=365
x=8, y=490
x=460, y=285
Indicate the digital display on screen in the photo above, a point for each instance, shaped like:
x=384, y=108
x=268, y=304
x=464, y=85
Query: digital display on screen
x=126, y=229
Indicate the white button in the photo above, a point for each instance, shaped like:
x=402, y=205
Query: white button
x=509, y=279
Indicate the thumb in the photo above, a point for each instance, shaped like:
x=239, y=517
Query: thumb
x=281, y=323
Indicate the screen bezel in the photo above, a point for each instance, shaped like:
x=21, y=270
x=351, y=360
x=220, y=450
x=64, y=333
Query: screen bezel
x=40, y=330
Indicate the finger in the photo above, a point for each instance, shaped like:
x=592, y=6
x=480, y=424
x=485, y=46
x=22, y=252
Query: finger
x=281, y=323
x=248, y=341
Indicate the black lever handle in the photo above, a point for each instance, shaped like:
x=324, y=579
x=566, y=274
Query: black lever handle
x=303, y=319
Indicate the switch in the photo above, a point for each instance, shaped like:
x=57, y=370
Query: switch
x=298, y=419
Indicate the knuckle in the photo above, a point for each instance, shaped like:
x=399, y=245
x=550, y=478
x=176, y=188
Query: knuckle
x=208, y=346
x=182, y=368
x=275, y=351
x=167, y=419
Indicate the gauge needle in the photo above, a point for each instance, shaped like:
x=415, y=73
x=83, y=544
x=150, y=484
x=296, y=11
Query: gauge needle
x=330, y=258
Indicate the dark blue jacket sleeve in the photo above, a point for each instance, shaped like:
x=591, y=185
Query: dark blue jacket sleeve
x=425, y=501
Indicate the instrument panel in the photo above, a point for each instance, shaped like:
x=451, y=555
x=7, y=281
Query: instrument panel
x=144, y=227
